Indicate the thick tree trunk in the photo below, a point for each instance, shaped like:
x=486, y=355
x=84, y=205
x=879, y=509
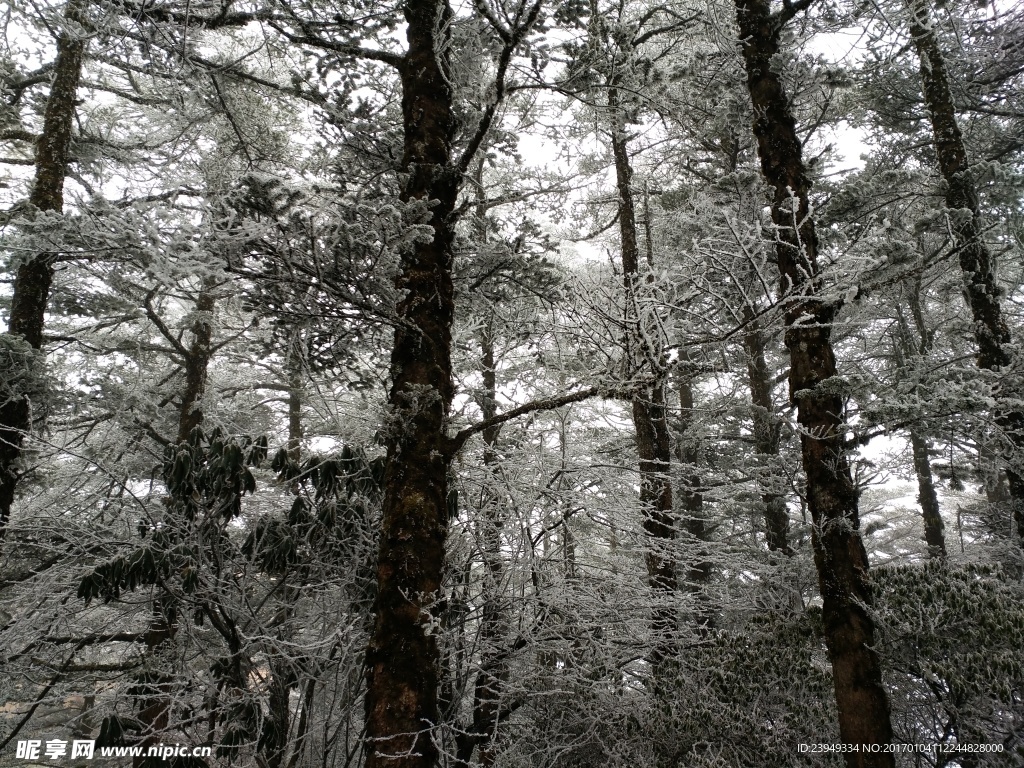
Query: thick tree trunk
x=653, y=443
x=991, y=332
x=842, y=563
x=402, y=657
x=35, y=276
x=934, y=528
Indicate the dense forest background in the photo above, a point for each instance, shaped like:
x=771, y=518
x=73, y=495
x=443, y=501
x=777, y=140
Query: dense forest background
x=548, y=383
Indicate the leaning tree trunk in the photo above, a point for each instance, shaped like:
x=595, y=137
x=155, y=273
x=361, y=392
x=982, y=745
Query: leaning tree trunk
x=403, y=657
x=991, y=332
x=653, y=443
x=842, y=563
x=35, y=276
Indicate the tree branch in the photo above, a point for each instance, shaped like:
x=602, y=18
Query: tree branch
x=789, y=10
x=161, y=326
x=346, y=49
x=513, y=40
x=460, y=438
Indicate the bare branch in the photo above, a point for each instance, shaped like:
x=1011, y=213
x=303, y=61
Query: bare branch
x=547, y=404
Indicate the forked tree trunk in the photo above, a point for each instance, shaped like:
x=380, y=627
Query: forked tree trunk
x=403, y=657
x=982, y=292
x=653, y=443
x=35, y=275
x=842, y=563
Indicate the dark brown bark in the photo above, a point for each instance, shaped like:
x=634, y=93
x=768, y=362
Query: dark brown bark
x=839, y=555
x=934, y=528
x=274, y=742
x=981, y=290
x=767, y=431
x=155, y=708
x=653, y=443
x=35, y=275
x=403, y=657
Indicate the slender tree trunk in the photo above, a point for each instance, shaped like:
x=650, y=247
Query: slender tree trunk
x=35, y=276
x=842, y=563
x=767, y=431
x=694, y=516
x=402, y=657
x=653, y=442
x=154, y=710
x=197, y=363
x=493, y=675
x=295, y=381
x=981, y=290
x=927, y=497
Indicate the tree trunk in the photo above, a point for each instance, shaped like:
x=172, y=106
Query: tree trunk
x=767, y=431
x=934, y=535
x=694, y=517
x=842, y=563
x=402, y=656
x=295, y=381
x=494, y=670
x=35, y=276
x=926, y=496
x=653, y=444
x=991, y=332
x=154, y=710
x=197, y=363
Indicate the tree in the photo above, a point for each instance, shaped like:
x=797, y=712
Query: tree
x=24, y=338
x=864, y=716
x=991, y=332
